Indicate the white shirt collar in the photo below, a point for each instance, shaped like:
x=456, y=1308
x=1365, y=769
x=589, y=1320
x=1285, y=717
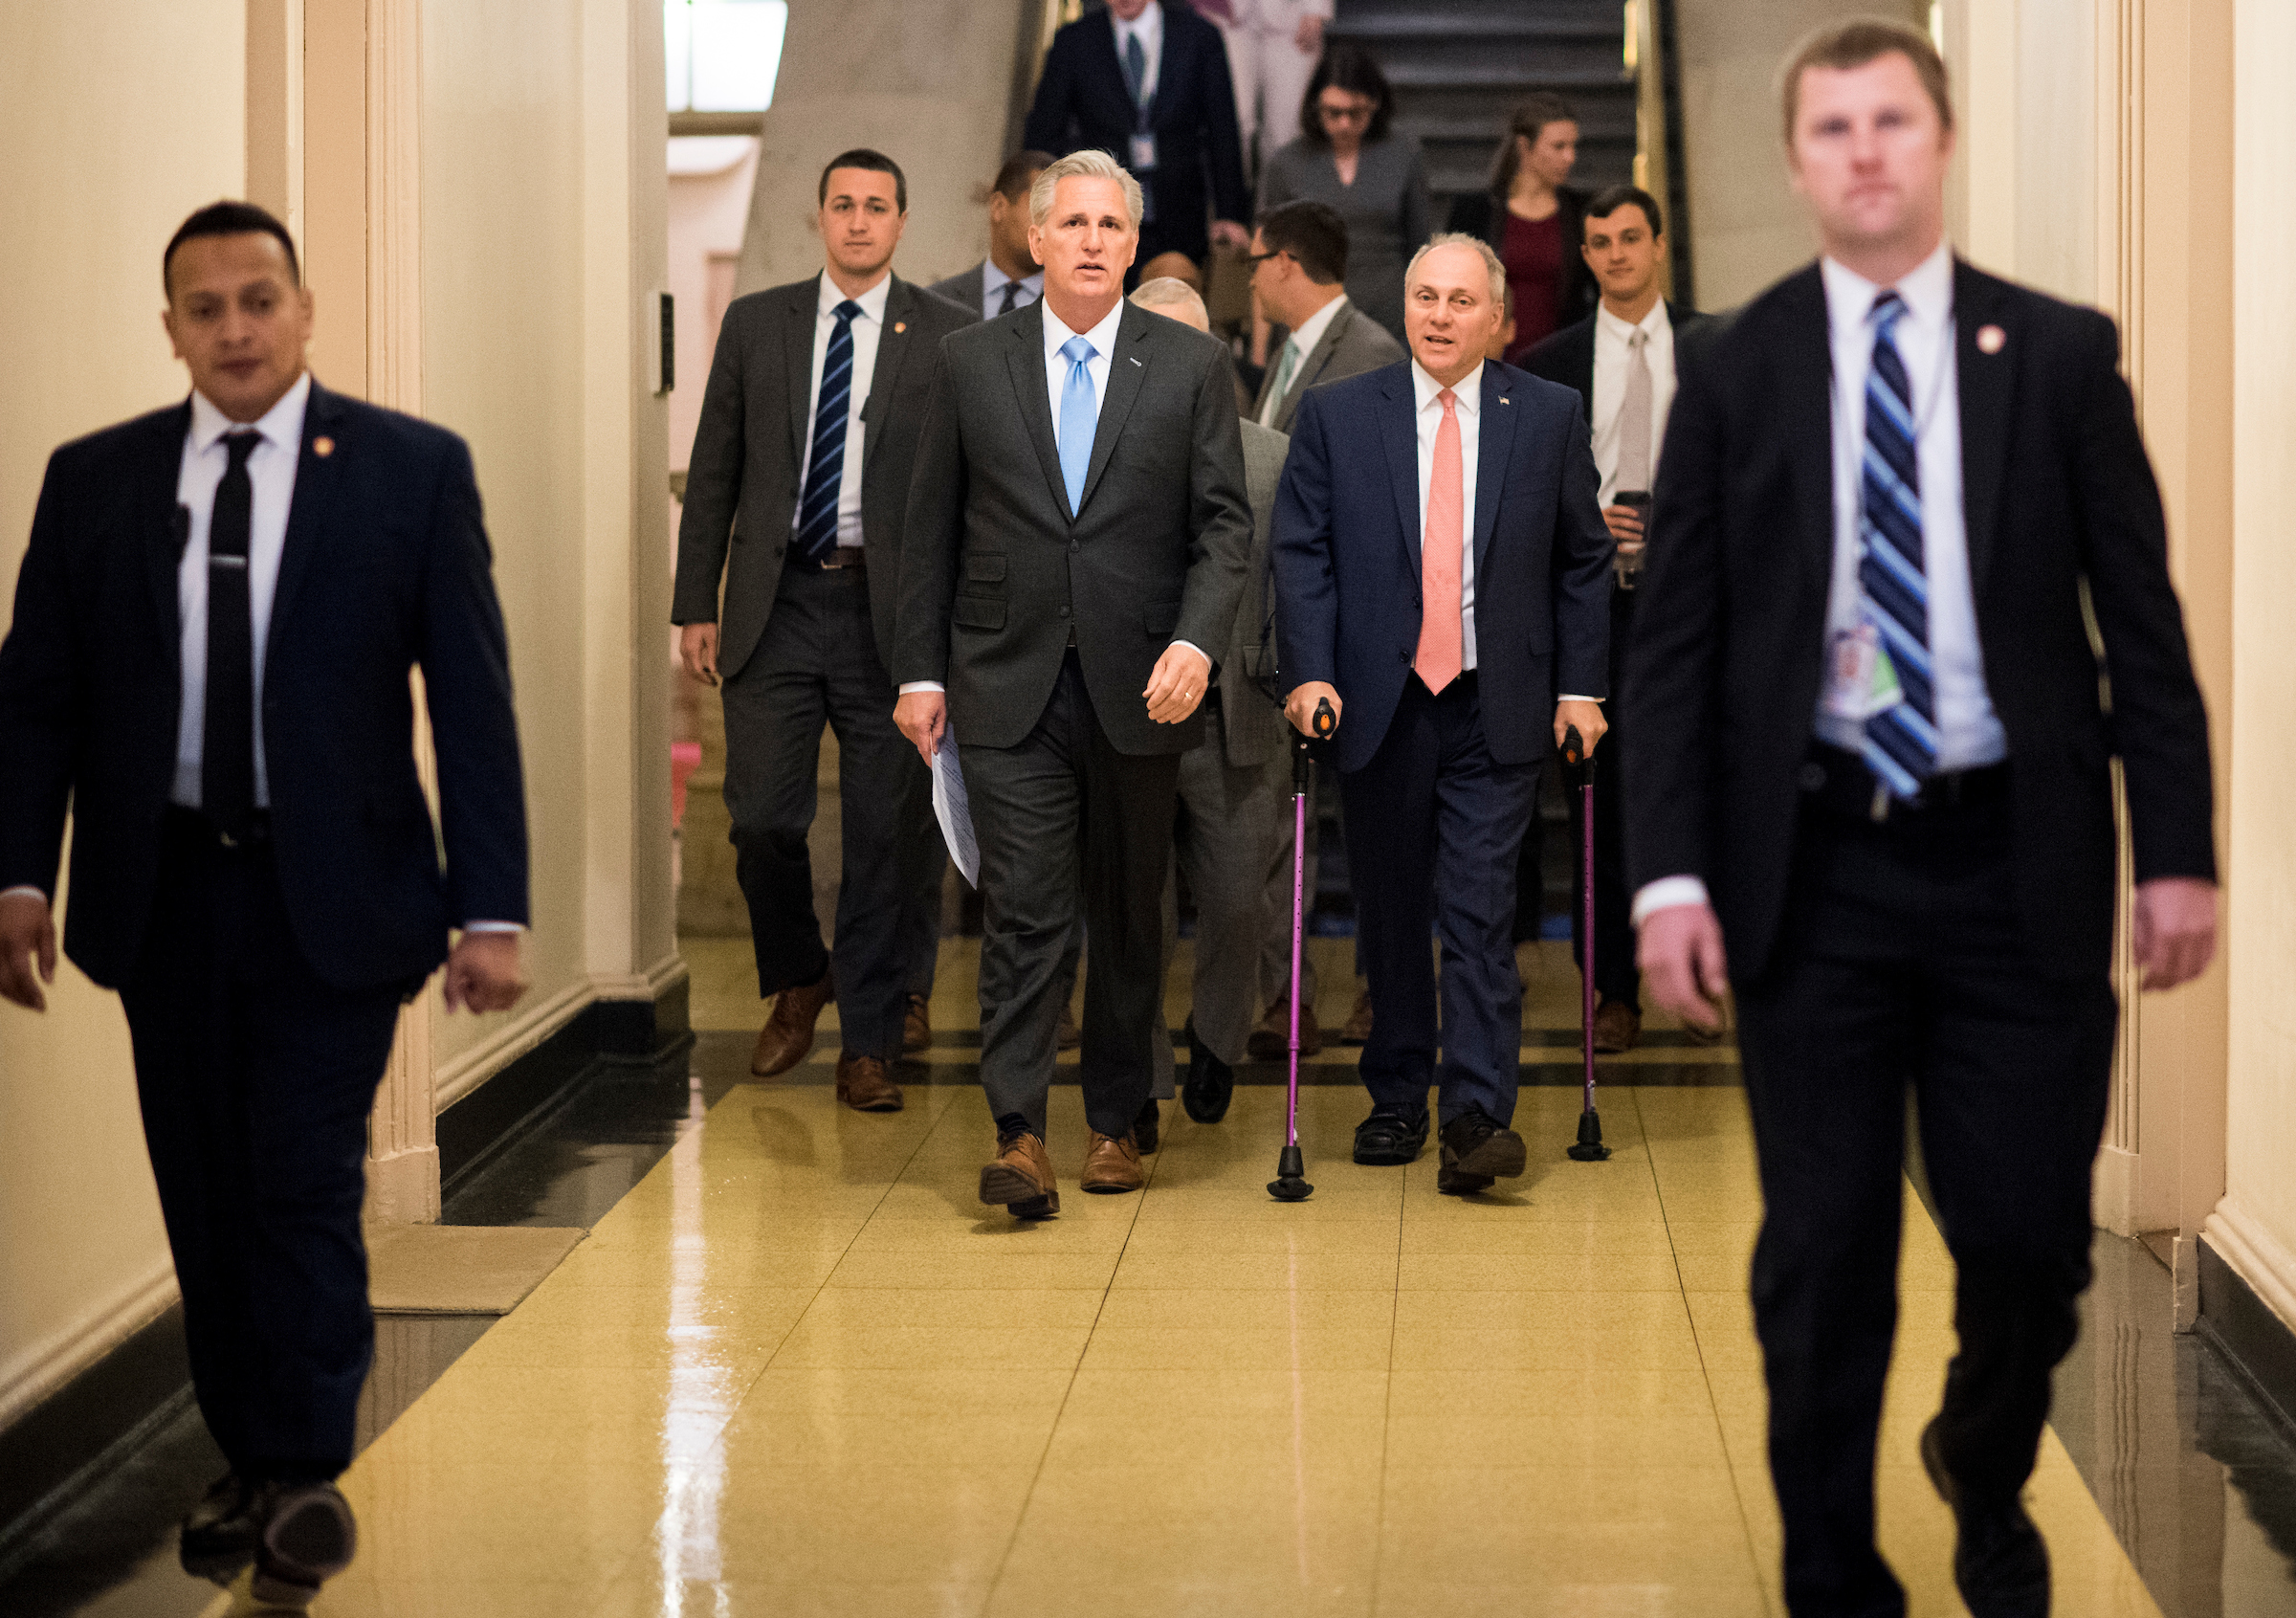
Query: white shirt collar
x=282, y=426
x=1928, y=289
x=1102, y=337
x=871, y=302
x=1149, y=25
x=993, y=280
x=1312, y=329
x=1654, y=323
x=1469, y=388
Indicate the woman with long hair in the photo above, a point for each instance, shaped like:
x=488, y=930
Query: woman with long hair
x=1347, y=156
x=1534, y=221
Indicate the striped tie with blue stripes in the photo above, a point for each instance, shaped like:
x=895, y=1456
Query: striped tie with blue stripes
x=1893, y=590
x=824, y=466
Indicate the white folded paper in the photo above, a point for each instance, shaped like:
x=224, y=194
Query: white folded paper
x=950, y=808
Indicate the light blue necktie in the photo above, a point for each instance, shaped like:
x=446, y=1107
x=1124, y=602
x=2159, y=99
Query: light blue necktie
x=1079, y=419
x=1893, y=587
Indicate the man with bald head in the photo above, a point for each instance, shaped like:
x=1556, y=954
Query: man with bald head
x=1076, y=545
x=1503, y=570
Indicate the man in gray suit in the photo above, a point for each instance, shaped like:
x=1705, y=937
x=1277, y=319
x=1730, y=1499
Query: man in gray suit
x=1077, y=534
x=1008, y=278
x=797, y=493
x=1299, y=272
x=1229, y=793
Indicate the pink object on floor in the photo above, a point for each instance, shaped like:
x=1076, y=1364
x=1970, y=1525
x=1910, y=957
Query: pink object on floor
x=685, y=758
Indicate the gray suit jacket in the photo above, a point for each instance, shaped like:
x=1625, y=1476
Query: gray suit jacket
x=997, y=570
x=749, y=457
x=1353, y=343
x=964, y=290
x=1252, y=727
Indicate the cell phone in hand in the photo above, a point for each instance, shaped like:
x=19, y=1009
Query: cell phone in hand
x=1628, y=568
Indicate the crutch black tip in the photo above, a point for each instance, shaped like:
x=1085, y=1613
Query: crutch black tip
x=1290, y=1184
x=1590, y=1147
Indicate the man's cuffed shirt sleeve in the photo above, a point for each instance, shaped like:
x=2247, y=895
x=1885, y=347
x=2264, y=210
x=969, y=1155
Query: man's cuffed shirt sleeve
x=1668, y=892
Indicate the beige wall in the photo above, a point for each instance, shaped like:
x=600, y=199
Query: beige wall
x=926, y=82
x=115, y=123
x=1747, y=229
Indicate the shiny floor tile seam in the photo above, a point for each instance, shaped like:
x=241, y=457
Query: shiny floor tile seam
x=1738, y=1482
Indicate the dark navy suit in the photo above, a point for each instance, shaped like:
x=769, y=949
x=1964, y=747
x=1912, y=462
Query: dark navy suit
x=262, y=980
x=1439, y=785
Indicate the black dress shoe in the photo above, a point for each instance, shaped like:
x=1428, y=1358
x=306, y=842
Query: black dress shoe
x=1390, y=1137
x=1477, y=1150
x=1210, y=1084
x=1146, y=1129
x=2000, y=1563
x=219, y=1536
x=308, y=1537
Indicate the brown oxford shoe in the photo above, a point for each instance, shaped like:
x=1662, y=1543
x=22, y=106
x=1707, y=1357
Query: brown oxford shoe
x=1019, y=1181
x=1357, y=1030
x=1271, y=1040
x=864, y=1084
x=916, y=1028
x=788, y=1037
x=1112, y=1164
x=1617, y=1026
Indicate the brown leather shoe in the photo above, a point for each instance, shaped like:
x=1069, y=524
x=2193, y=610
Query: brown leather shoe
x=1357, y=1030
x=788, y=1037
x=1112, y=1164
x=1271, y=1040
x=916, y=1028
x=1617, y=1026
x=1071, y=1035
x=1019, y=1181
x=863, y=1085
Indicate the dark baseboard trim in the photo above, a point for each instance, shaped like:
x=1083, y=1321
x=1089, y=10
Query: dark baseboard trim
x=55, y=1452
x=2244, y=1329
x=52, y=1453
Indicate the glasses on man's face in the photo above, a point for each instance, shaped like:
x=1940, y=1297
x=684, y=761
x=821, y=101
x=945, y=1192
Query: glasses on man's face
x=1354, y=112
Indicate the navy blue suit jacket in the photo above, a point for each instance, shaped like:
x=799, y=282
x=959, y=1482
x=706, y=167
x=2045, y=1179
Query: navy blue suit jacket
x=1081, y=102
x=1347, y=556
x=386, y=569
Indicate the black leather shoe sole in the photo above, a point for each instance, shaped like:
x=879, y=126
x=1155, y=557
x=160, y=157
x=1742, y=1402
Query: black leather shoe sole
x=1389, y=1143
x=2000, y=1561
x=1209, y=1086
x=308, y=1539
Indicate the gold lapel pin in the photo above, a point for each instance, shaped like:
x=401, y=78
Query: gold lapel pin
x=1504, y=400
x=323, y=448
x=1989, y=340
x=899, y=326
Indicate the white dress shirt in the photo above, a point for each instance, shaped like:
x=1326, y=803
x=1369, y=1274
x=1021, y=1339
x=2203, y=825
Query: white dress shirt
x=1612, y=356
x=1468, y=391
x=1149, y=29
x=271, y=478
x=1969, y=732
x=867, y=326
x=1103, y=338
x=1308, y=333
x=994, y=282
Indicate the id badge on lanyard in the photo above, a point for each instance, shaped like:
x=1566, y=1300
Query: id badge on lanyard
x=1143, y=153
x=1861, y=680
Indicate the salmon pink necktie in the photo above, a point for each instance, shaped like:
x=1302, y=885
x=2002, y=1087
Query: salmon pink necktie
x=1440, y=556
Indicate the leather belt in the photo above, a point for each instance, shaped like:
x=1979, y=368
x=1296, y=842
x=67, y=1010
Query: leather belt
x=191, y=826
x=844, y=559
x=1838, y=780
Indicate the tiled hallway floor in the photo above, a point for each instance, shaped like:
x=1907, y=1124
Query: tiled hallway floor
x=797, y=1371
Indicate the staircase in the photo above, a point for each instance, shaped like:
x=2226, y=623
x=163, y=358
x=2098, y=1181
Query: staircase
x=1460, y=66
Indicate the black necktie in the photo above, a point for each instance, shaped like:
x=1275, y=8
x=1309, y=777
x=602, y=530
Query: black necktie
x=1012, y=298
x=227, y=782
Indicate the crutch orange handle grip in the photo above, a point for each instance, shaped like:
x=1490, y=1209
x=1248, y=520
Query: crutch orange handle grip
x=1574, y=749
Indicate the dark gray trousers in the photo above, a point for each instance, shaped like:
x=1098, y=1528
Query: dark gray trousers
x=1060, y=816
x=817, y=665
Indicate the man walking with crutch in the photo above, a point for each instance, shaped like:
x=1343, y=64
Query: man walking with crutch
x=1437, y=524
x=1867, y=749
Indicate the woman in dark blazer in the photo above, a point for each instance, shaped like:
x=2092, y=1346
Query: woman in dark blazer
x=1535, y=222
x=1347, y=157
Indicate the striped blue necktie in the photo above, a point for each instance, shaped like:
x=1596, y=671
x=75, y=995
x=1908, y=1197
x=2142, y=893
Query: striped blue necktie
x=1893, y=590
x=824, y=466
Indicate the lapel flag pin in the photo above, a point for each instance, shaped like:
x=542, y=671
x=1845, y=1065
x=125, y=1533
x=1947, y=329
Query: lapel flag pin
x=1989, y=340
x=1504, y=400
x=899, y=326
x=323, y=448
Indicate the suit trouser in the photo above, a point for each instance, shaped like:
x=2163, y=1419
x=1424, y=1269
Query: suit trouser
x=1433, y=824
x=1616, y=976
x=1275, y=948
x=1270, y=74
x=1062, y=814
x=1223, y=833
x=255, y=1080
x=817, y=664
x=925, y=856
x=1902, y=963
